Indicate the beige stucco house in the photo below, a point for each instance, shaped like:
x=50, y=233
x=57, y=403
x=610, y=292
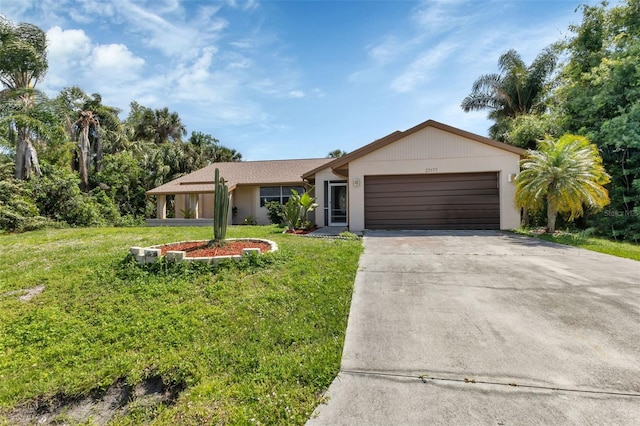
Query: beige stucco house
x=431, y=176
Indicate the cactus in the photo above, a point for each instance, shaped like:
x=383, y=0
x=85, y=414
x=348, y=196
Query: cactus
x=220, y=210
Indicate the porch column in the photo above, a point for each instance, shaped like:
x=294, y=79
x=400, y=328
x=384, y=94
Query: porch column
x=161, y=206
x=230, y=212
x=193, y=205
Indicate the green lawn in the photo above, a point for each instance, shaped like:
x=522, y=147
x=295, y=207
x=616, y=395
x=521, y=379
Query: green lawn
x=602, y=245
x=251, y=343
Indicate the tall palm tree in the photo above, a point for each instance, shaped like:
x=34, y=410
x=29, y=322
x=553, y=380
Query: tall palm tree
x=30, y=122
x=565, y=175
x=85, y=122
x=88, y=122
x=515, y=91
x=158, y=126
x=23, y=62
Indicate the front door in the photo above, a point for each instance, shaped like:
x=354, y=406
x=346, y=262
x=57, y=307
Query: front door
x=338, y=204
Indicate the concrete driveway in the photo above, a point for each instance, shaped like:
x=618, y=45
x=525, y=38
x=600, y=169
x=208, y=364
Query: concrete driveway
x=487, y=328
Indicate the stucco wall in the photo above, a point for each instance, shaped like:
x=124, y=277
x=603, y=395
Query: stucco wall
x=205, y=206
x=434, y=151
x=245, y=198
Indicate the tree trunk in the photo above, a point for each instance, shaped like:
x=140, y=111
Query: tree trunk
x=21, y=149
x=84, y=160
x=552, y=213
x=31, y=161
x=525, y=217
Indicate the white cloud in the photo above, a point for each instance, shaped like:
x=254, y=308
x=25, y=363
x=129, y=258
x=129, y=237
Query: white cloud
x=115, y=61
x=67, y=45
x=441, y=16
x=68, y=53
x=418, y=72
x=386, y=51
x=296, y=94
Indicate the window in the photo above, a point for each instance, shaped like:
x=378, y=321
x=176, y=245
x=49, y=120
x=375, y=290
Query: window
x=280, y=194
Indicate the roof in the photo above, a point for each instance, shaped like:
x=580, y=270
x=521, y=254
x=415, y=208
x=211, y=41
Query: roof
x=272, y=172
x=340, y=165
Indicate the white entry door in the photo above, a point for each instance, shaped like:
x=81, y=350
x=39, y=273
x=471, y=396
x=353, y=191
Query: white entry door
x=338, y=203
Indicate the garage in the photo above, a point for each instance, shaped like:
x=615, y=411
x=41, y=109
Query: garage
x=432, y=201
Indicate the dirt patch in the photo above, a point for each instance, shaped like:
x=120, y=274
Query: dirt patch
x=202, y=249
x=26, y=294
x=98, y=407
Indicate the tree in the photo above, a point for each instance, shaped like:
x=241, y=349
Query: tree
x=517, y=90
x=564, y=174
x=336, y=153
x=88, y=121
x=158, y=126
x=203, y=149
x=30, y=121
x=85, y=122
x=600, y=98
x=23, y=63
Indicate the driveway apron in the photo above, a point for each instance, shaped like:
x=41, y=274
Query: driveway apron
x=484, y=327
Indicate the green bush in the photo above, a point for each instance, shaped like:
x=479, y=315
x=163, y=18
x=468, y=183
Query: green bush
x=18, y=212
x=58, y=196
x=275, y=211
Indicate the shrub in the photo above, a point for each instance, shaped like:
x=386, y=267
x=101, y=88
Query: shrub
x=57, y=195
x=275, y=210
x=18, y=212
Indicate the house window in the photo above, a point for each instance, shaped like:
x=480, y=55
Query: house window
x=280, y=194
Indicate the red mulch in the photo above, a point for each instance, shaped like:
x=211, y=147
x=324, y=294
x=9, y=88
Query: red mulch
x=200, y=249
x=301, y=231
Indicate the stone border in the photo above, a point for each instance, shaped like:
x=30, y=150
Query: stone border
x=153, y=253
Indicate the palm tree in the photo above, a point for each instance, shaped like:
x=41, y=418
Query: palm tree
x=336, y=153
x=158, y=126
x=29, y=119
x=88, y=122
x=515, y=91
x=85, y=122
x=565, y=175
x=23, y=62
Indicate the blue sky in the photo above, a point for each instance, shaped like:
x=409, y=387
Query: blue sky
x=290, y=79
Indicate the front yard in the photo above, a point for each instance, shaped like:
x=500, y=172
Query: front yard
x=250, y=343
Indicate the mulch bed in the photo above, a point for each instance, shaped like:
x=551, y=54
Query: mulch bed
x=201, y=249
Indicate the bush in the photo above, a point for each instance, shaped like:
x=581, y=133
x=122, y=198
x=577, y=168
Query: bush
x=58, y=196
x=18, y=212
x=275, y=210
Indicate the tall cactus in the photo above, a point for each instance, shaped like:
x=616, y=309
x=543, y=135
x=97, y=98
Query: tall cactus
x=220, y=209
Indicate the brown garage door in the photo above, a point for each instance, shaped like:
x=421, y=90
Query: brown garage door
x=445, y=201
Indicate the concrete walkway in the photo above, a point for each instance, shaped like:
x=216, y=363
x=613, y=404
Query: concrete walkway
x=487, y=328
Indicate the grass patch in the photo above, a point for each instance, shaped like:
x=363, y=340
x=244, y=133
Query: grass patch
x=252, y=342
x=602, y=245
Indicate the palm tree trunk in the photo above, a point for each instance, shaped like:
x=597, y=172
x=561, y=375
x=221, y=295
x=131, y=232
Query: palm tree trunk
x=21, y=154
x=83, y=151
x=83, y=163
x=552, y=213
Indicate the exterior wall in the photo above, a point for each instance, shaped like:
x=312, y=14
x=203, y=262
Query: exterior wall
x=185, y=202
x=321, y=177
x=245, y=199
x=180, y=205
x=205, y=206
x=434, y=151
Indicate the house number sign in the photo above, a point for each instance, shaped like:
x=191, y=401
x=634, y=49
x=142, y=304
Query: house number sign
x=431, y=170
